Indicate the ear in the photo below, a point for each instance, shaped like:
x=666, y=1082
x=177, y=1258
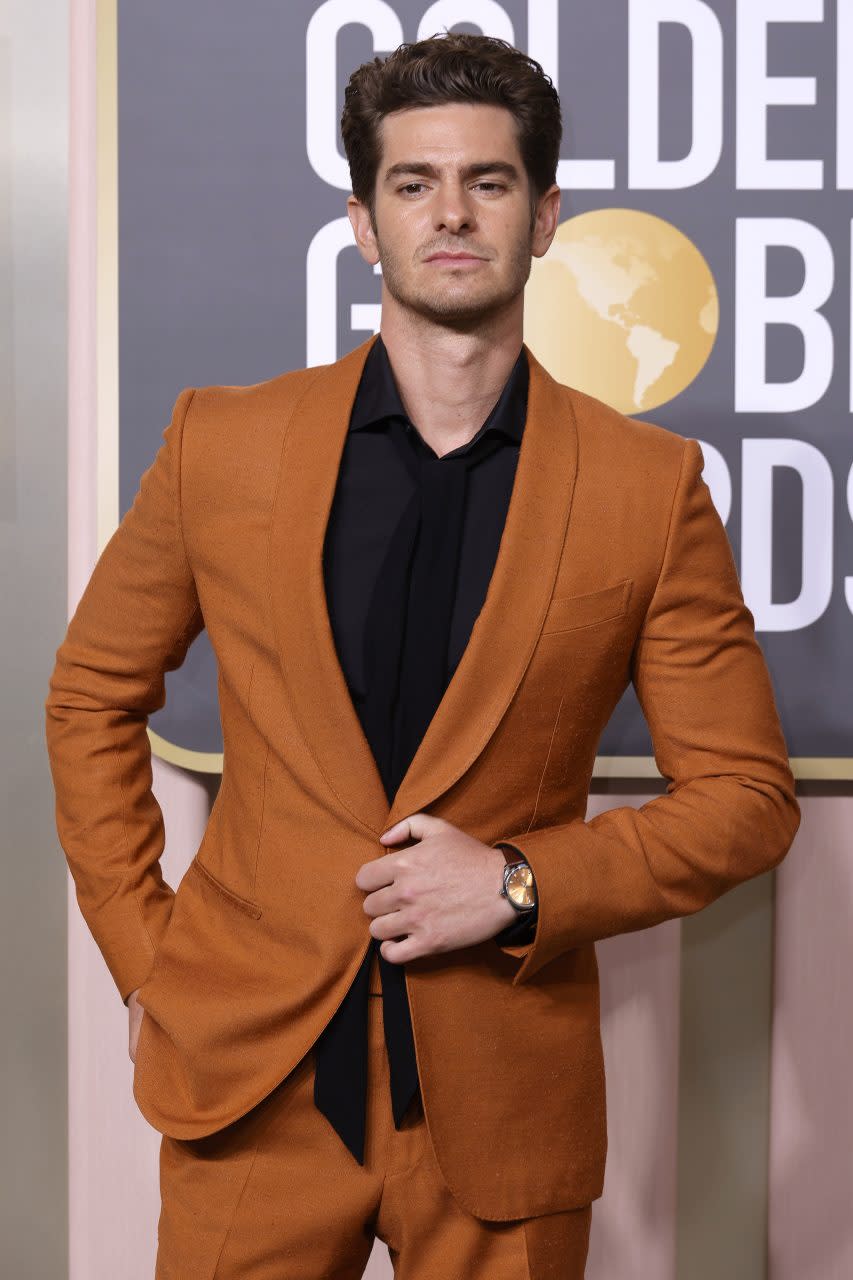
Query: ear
x=547, y=220
x=359, y=216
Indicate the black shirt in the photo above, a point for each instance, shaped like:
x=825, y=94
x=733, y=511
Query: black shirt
x=409, y=551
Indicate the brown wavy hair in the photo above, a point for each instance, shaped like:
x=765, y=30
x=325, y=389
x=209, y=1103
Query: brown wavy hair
x=455, y=67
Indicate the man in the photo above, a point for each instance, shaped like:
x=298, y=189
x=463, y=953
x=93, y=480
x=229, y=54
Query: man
x=428, y=572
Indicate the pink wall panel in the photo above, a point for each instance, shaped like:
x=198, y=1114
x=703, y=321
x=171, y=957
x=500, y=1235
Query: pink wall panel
x=811, y=1134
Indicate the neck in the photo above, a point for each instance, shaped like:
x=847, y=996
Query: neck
x=449, y=382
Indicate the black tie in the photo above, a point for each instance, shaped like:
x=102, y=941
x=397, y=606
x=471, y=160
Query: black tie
x=407, y=671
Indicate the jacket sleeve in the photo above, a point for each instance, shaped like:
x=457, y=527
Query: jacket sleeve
x=134, y=622
x=730, y=810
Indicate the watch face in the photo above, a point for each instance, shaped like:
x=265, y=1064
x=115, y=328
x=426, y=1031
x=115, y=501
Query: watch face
x=519, y=886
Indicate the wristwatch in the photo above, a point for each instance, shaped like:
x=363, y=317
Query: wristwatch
x=519, y=885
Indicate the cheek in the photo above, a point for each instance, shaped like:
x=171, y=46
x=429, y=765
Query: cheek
x=508, y=223
x=404, y=225
x=397, y=251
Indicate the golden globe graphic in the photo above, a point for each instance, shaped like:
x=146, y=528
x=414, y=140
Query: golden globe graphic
x=623, y=306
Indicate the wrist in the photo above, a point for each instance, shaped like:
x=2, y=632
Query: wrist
x=505, y=912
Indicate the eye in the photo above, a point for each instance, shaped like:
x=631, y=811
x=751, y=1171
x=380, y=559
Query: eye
x=496, y=186
x=409, y=185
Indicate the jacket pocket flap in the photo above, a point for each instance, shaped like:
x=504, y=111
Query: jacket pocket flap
x=243, y=904
x=567, y=612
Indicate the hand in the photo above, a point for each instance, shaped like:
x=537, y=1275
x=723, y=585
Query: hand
x=435, y=895
x=136, y=1011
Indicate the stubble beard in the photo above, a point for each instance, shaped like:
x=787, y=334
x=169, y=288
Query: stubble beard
x=461, y=313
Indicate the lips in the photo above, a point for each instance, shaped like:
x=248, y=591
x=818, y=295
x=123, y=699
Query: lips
x=454, y=257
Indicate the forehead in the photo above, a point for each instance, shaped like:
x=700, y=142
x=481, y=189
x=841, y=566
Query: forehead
x=454, y=132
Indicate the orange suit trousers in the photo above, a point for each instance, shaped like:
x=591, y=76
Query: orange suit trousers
x=277, y=1196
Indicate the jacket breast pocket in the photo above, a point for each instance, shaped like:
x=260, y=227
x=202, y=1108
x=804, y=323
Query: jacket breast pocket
x=566, y=613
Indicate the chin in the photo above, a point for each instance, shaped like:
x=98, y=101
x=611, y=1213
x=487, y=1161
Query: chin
x=467, y=317
x=463, y=313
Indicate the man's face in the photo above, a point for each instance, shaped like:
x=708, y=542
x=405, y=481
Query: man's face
x=452, y=226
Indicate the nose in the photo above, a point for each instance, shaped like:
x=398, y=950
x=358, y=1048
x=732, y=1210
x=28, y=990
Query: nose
x=453, y=210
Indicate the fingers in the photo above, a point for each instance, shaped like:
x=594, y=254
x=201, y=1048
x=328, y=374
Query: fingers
x=399, y=952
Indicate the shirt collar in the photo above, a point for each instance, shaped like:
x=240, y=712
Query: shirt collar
x=378, y=399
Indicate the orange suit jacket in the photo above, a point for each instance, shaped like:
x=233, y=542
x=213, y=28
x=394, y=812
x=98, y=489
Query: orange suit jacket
x=614, y=566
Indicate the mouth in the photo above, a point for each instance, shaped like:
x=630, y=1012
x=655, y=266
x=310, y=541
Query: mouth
x=454, y=259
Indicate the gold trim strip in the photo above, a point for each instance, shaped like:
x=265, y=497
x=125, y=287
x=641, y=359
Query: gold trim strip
x=200, y=761
x=814, y=767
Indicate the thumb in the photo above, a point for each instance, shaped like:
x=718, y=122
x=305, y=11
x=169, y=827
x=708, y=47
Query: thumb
x=415, y=827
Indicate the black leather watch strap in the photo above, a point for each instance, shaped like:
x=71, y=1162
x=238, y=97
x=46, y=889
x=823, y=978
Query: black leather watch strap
x=518, y=931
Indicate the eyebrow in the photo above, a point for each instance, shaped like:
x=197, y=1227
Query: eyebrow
x=468, y=171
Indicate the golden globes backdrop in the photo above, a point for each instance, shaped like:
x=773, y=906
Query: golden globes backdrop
x=700, y=277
